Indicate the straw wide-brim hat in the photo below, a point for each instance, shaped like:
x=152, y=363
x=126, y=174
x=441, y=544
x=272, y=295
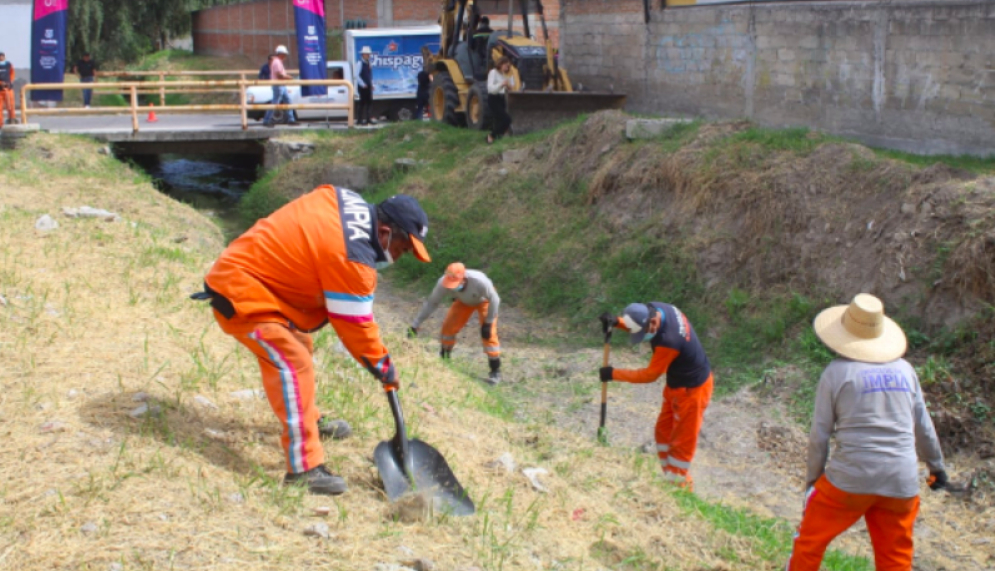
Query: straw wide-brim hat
x=861, y=331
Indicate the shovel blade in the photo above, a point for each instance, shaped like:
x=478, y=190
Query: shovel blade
x=430, y=474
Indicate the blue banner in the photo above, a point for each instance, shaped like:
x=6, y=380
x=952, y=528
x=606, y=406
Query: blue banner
x=48, y=46
x=310, y=18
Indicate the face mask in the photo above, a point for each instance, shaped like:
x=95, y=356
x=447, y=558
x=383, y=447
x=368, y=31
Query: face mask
x=386, y=251
x=461, y=287
x=648, y=336
x=386, y=263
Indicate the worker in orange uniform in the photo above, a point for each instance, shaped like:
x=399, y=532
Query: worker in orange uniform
x=312, y=262
x=472, y=291
x=871, y=400
x=678, y=354
x=6, y=89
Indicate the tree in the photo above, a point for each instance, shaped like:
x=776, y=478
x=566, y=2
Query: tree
x=126, y=30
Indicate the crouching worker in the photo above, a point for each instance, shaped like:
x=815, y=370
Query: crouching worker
x=472, y=291
x=312, y=262
x=871, y=400
x=688, y=390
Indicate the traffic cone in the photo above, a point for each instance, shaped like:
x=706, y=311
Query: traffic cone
x=151, y=118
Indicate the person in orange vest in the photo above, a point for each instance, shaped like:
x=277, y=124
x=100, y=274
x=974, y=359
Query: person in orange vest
x=871, y=400
x=312, y=262
x=6, y=89
x=678, y=354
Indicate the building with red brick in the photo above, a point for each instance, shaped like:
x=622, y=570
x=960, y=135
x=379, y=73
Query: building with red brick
x=254, y=28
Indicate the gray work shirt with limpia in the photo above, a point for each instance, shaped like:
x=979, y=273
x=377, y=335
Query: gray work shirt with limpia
x=882, y=427
x=478, y=290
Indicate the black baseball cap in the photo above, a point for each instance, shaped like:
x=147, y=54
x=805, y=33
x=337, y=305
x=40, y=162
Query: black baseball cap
x=405, y=211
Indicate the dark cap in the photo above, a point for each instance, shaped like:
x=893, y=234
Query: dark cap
x=405, y=211
x=635, y=318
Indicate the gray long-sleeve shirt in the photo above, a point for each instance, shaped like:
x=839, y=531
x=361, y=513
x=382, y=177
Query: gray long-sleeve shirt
x=478, y=290
x=881, y=424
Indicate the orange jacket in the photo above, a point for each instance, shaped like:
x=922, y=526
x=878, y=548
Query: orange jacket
x=312, y=260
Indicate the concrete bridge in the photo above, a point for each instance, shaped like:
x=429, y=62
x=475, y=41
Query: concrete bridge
x=177, y=133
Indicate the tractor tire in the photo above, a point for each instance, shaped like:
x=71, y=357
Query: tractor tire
x=445, y=99
x=478, y=114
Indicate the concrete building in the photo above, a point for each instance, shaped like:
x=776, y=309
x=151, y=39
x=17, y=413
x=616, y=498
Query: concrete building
x=15, y=38
x=254, y=28
x=914, y=75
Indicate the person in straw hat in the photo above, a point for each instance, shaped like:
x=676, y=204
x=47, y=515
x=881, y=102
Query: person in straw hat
x=678, y=354
x=871, y=400
x=472, y=291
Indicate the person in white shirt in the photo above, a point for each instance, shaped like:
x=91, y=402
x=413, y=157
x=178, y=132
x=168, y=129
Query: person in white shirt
x=499, y=81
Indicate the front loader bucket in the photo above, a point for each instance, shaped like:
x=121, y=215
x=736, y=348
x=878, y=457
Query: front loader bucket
x=534, y=110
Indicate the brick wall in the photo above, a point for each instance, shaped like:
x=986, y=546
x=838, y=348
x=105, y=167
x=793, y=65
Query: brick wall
x=254, y=28
x=914, y=76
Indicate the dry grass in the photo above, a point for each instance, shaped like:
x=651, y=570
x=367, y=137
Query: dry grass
x=96, y=312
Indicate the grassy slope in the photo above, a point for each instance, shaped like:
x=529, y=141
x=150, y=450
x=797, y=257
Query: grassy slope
x=96, y=312
x=550, y=252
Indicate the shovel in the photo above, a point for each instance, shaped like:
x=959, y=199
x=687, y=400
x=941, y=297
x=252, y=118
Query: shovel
x=411, y=465
x=602, y=431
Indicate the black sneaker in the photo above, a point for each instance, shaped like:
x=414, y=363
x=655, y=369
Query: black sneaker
x=494, y=378
x=319, y=481
x=334, y=429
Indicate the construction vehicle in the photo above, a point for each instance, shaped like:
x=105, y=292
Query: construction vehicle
x=545, y=94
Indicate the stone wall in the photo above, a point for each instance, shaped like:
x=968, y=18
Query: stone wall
x=917, y=76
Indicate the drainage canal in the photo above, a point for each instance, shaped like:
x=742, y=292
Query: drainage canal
x=211, y=183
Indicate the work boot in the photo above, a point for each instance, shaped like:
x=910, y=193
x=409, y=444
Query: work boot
x=319, y=481
x=445, y=353
x=495, y=376
x=334, y=429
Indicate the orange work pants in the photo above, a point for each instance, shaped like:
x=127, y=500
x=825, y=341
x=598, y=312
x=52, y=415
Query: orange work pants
x=457, y=316
x=829, y=511
x=677, y=430
x=285, y=359
x=7, y=102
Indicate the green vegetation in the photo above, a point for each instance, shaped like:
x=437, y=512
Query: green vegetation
x=978, y=165
x=771, y=538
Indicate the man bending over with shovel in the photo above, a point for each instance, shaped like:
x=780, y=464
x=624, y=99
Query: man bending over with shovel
x=312, y=262
x=472, y=291
x=678, y=354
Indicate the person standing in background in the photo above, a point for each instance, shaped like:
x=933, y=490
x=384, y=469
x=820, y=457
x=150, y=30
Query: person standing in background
x=6, y=89
x=364, y=81
x=499, y=81
x=86, y=67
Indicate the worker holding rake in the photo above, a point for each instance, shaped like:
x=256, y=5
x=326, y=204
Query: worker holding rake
x=472, y=292
x=870, y=398
x=312, y=262
x=688, y=390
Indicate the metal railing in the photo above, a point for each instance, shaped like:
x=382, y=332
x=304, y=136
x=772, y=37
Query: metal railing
x=209, y=86
x=243, y=74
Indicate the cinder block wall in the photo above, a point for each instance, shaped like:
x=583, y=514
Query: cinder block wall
x=917, y=76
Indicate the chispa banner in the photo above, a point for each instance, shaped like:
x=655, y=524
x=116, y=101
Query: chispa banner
x=48, y=46
x=310, y=18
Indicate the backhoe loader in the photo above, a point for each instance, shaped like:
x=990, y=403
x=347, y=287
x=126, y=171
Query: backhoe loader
x=544, y=94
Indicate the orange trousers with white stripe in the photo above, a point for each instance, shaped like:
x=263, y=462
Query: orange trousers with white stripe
x=829, y=511
x=285, y=360
x=677, y=430
x=457, y=316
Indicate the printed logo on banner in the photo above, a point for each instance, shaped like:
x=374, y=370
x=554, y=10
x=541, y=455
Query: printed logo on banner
x=392, y=47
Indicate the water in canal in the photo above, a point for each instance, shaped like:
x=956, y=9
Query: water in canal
x=212, y=184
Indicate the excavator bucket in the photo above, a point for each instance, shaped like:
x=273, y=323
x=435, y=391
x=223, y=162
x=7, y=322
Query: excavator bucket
x=535, y=110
